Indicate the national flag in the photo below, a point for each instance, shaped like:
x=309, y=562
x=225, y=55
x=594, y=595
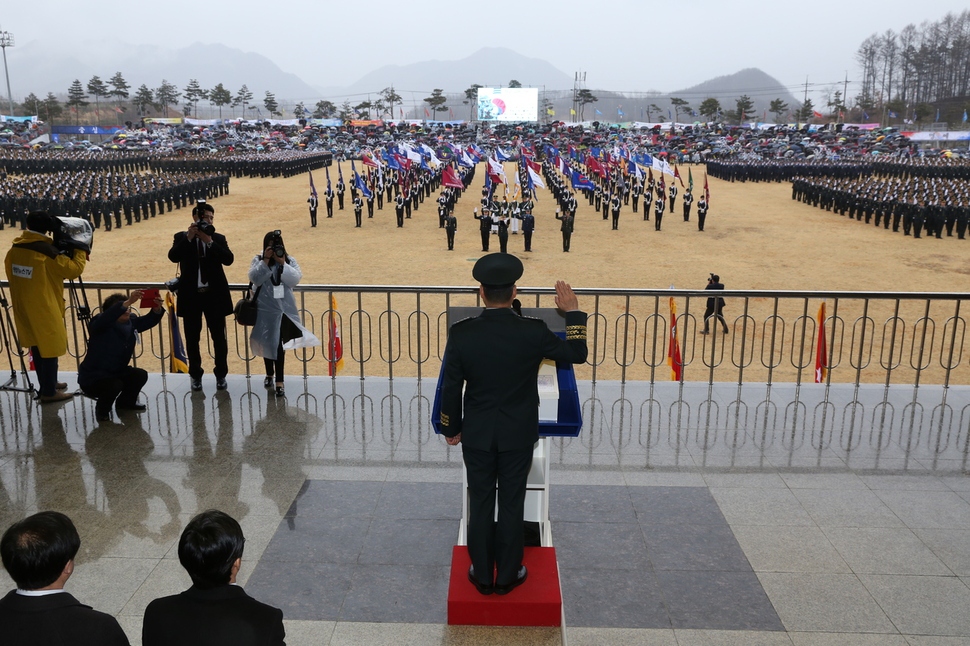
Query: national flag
x=450, y=178
x=367, y=158
x=496, y=172
x=336, y=359
x=313, y=189
x=359, y=182
x=673, y=346
x=821, y=352
x=534, y=180
x=179, y=362
x=690, y=181
x=677, y=176
x=580, y=181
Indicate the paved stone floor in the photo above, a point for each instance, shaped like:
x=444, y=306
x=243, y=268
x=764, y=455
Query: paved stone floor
x=681, y=515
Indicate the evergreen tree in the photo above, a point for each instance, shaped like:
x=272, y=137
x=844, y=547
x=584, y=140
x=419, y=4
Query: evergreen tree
x=193, y=93
x=745, y=108
x=269, y=102
x=243, y=97
x=119, y=87
x=777, y=108
x=75, y=99
x=52, y=108
x=807, y=111
x=437, y=102
x=220, y=96
x=166, y=94
x=143, y=98
x=98, y=89
x=390, y=98
x=710, y=108
x=324, y=110
x=679, y=105
x=583, y=98
x=31, y=105
x=471, y=98
x=514, y=83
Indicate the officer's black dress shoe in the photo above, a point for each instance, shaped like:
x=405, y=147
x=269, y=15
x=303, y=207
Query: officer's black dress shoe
x=196, y=385
x=481, y=587
x=519, y=580
x=222, y=384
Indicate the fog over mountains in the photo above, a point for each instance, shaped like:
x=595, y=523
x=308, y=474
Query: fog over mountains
x=35, y=68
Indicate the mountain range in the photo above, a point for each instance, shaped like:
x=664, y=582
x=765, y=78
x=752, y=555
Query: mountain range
x=39, y=69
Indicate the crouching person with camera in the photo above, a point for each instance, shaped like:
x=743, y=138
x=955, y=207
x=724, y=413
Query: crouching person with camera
x=274, y=273
x=37, y=269
x=105, y=374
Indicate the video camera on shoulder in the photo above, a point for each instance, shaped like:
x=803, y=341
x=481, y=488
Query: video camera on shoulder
x=71, y=233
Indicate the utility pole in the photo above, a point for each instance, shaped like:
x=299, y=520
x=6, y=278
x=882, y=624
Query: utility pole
x=6, y=40
x=845, y=89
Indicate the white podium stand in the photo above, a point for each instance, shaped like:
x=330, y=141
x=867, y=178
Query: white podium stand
x=536, y=496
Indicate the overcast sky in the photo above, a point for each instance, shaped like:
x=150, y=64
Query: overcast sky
x=621, y=45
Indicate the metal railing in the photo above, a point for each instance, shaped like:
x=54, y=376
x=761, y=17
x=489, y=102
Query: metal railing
x=394, y=331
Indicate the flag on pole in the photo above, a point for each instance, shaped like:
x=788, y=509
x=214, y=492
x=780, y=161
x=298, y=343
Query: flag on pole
x=336, y=360
x=690, y=181
x=677, y=176
x=328, y=177
x=964, y=115
x=359, y=182
x=821, y=352
x=450, y=178
x=313, y=189
x=673, y=346
x=179, y=362
x=707, y=191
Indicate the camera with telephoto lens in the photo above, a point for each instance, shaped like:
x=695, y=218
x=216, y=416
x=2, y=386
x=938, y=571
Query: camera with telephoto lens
x=277, y=244
x=199, y=212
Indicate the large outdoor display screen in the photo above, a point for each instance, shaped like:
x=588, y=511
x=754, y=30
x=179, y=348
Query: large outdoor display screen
x=508, y=104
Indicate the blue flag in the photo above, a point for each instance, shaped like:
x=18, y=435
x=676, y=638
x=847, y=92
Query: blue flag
x=964, y=115
x=359, y=182
x=581, y=181
x=598, y=113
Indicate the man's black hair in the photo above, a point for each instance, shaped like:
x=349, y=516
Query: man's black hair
x=36, y=549
x=39, y=221
x=210, y=544
x=201, y=207
x=498, y=295
x=111, y=300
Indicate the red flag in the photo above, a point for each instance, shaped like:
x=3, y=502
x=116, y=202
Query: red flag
x=595, y=166
x=677, y=176
x=426, y=113
x=450, y=178
x=821, y=351
x=707, y=191
x=817, y=115
x=673, y=346
x=336, y=361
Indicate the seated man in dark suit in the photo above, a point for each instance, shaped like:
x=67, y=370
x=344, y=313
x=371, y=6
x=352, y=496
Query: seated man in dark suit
x=38, y=553
x=214, y=611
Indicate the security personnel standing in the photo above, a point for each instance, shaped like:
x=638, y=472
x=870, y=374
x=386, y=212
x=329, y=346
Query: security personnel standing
x=328, y=197
x=688, y=200
x=615, y=208
x=451, y=225
x=370, y=205
x=341, y=188
x=399, y=210
x=484, y=226
x=528, y=226
x=658, y=211
x=358, y=209
x=673, y=196
x=313, y=202
x=701, y=213
x=566, y=228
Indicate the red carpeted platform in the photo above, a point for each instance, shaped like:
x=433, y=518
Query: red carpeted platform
x=537, y=602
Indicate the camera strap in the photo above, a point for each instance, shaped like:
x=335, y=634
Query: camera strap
x=40, y=246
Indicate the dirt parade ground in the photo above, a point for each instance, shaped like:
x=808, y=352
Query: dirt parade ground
x=756, y=237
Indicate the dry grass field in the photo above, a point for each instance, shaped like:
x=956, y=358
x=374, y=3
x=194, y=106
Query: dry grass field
x=756, y=237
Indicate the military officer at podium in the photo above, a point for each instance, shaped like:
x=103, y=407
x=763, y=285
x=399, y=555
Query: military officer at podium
x=496, y=356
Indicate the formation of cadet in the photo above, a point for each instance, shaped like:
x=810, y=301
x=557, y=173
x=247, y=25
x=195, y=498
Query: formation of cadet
x=104, y=197
x=936, y=205
x=753, y=169
x=277, y=163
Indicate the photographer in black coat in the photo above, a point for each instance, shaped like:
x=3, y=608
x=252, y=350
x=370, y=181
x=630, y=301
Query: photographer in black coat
x=715, y=305
x=105, y=373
